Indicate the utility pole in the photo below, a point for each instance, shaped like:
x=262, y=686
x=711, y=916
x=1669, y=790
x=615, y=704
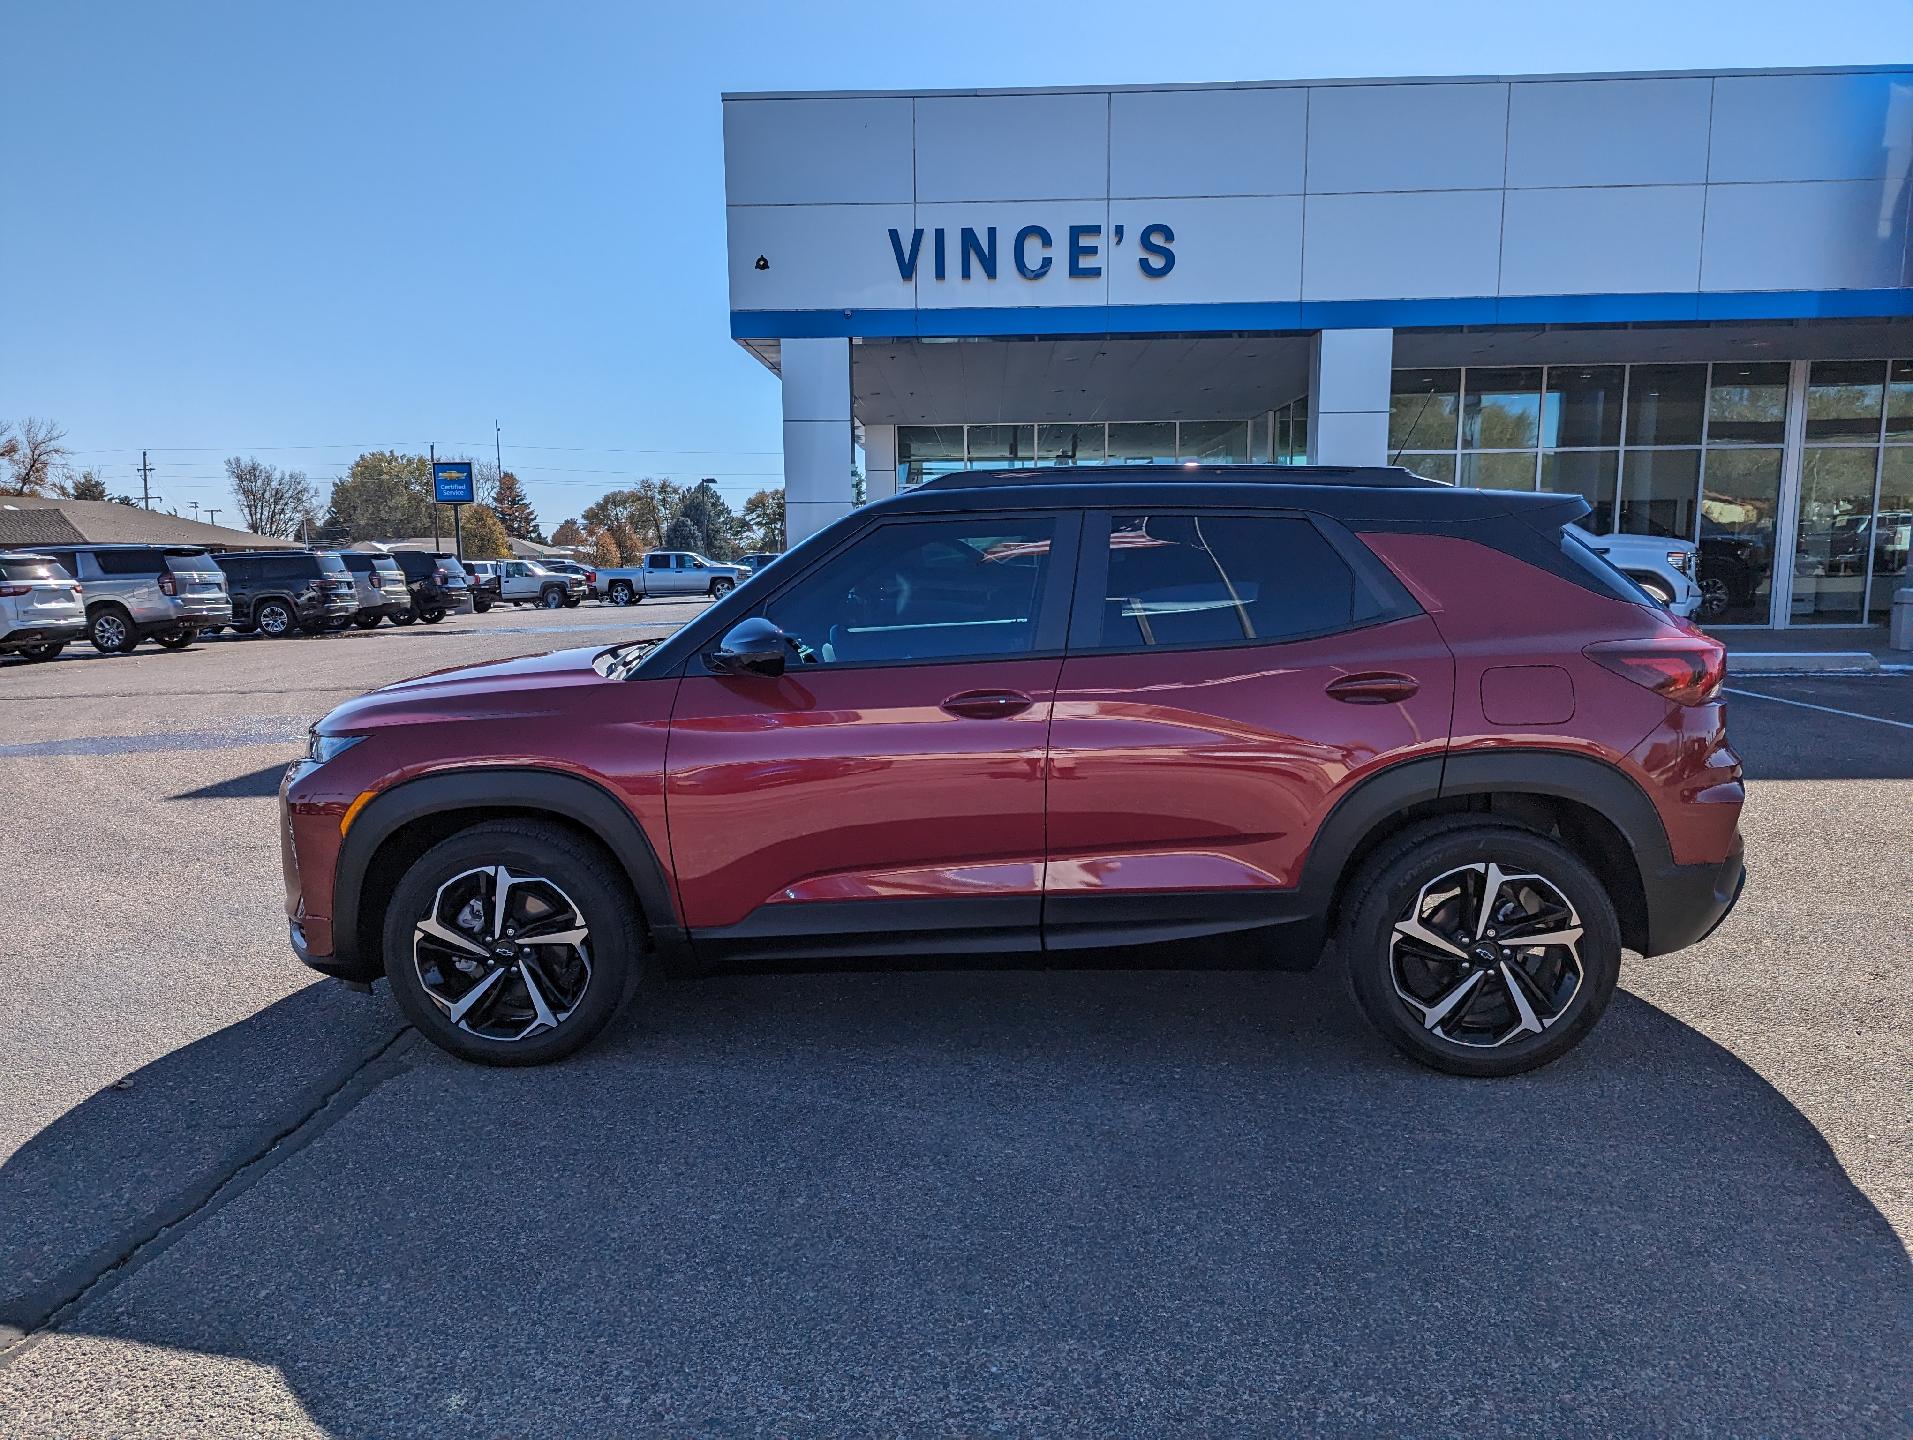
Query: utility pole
x=212, y=512
x=433, y=450
x=195, y=505
x=145, y=481
x=498, y=451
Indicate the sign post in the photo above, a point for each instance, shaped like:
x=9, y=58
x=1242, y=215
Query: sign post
x=452, y=485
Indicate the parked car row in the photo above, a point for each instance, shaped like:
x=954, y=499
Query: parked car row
x=116, y=596
x=562, y=583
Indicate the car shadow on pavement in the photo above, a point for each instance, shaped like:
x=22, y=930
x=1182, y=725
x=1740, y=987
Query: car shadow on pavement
x=1062, y=1202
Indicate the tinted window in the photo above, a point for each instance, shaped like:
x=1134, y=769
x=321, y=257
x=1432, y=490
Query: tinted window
x=332, y=563
x=451, y=566
x=129, y=562
x=658, y=562
x=190, y=562
x=1221, y=580
x=927, y=590
x=30, y=570
x=359, y=564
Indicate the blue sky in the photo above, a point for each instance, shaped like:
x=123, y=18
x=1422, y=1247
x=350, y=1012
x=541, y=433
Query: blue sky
x=303, y=231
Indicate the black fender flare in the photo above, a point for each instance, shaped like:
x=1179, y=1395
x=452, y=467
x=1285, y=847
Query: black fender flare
x=1599, y=786
x=561, y=795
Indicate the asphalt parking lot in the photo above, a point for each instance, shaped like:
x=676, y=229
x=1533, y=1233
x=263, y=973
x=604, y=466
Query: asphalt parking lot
x=235, y=1200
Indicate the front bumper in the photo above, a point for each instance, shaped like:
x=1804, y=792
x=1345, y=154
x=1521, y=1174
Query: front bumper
x=1686, y=903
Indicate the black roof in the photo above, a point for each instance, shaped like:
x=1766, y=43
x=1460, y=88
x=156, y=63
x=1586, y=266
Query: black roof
x=1356, y=493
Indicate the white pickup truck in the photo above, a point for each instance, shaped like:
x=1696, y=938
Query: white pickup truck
x=526, y=582
x=666, y=573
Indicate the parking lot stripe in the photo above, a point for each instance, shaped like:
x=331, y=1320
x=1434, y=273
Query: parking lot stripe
x=1824, y=709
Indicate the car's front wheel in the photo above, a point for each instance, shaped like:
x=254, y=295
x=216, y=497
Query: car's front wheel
x=552, y=598
x=111, y=630
x=511, y=943
x=721, y=588
x=1479, y=949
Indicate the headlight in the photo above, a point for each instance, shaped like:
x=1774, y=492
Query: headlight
x=321, y=748
x=1679, y=559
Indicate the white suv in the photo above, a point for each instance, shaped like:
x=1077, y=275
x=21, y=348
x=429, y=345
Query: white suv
x=1662, y=566
x=40, y=607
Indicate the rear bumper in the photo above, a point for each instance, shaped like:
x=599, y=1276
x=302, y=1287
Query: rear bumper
x=43, y=634
x=1685, y=903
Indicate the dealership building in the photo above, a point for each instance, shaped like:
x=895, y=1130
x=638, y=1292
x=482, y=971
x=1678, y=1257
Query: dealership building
x=1688, y=297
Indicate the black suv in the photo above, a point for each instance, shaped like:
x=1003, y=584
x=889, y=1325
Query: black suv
x=438, y=583
x=275, y=592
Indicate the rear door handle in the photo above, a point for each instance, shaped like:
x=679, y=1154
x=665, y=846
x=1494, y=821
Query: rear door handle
x=1383, y=687
x=988, y=704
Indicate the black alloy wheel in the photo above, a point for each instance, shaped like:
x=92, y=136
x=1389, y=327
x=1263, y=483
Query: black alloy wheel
x=1479, y=949
x=512, y=942
x=176, y=639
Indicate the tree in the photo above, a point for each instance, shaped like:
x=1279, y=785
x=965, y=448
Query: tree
x=762, y=522
x=514, y=510
x=483, y=534
x=570, y=532
x=384, y=496
x=604, y=550
x=642, y=512
x=34, y=456
x=281, y=503
x=86, y=485
x=703, y=515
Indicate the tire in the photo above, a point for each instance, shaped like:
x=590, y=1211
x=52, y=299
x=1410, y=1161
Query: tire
x=721, y=588
x=622, y=593
x=275, y=619
x=1715, y=599
x=572, y=602
x=480, y=607
x=176, y=639
x=552, y=598
x=551, y=865
x=432, y=614
x=111, y=630
x=49, y=651
x=1480, y=1028
x=405, y=617
x=366, y=620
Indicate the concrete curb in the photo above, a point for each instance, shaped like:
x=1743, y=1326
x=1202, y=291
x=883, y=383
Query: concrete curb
x=1802, y=662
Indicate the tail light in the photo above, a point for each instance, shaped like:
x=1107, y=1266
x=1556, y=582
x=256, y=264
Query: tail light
x=12, y=590
x=167, y=586
x=378, y=580
x=442, y=575
x=1688, y=668
x=591, y=577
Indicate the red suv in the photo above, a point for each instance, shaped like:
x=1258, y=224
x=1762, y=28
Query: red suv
x=1050, y=712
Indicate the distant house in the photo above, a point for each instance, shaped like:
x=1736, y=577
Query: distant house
x=27, y=520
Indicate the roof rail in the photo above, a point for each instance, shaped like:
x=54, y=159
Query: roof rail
x=1378, y=477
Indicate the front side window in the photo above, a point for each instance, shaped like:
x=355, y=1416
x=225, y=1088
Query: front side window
x=1220, y=580
x=923, y=590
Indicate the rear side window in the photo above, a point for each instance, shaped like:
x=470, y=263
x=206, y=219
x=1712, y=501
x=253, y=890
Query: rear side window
x=129, y=562
x=1209, y=580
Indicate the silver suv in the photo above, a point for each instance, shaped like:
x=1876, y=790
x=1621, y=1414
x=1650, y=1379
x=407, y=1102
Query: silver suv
x=40, y=609
x=168, y=593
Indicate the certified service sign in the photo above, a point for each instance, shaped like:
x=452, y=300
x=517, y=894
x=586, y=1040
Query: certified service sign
x=452, y=482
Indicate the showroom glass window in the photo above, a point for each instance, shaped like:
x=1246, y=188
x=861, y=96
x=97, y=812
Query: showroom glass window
x=1690, y=451
x=1219, y=579
x=1856, y=491
x=923, y=590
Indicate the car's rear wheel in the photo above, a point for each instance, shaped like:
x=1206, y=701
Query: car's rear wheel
x=275, y=619
x=1479, y=949
x=176, y=639
x=622, y=593
x=511, y=944
x=49, y=651
x=405, y=617
x=431, y=614
x=366, y=619
x=111, y=630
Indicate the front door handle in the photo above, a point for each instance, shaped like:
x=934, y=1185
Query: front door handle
x=1378, y=687
x=987, y=704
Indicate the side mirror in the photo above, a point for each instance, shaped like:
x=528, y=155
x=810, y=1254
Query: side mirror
x=753, y=647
